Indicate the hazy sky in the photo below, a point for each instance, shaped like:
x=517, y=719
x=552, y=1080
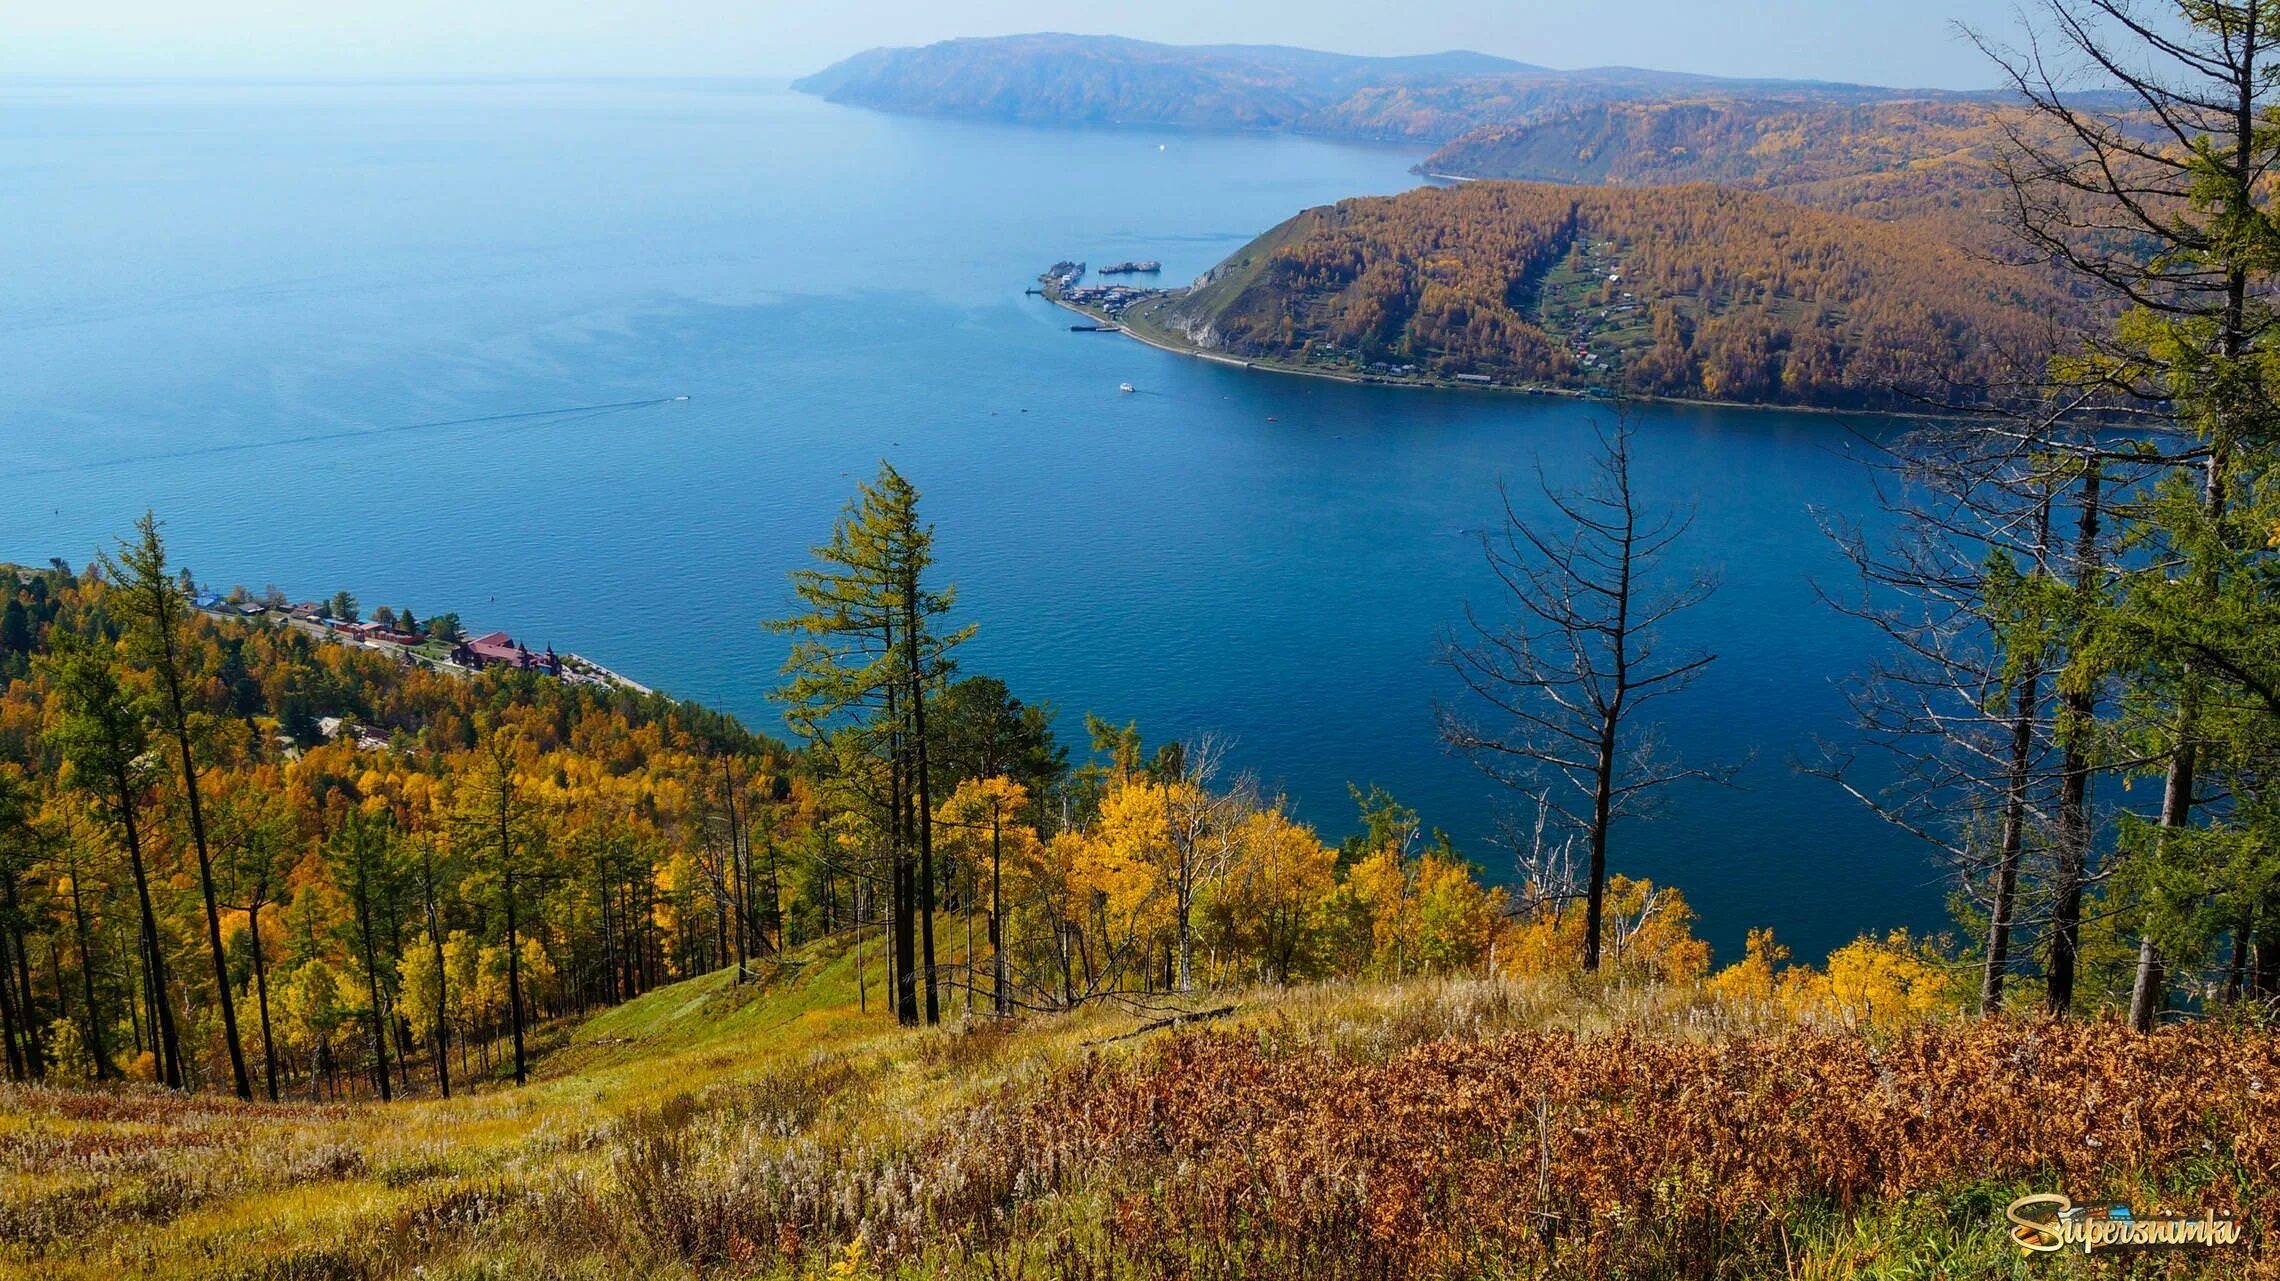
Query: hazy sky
x=1901, y=42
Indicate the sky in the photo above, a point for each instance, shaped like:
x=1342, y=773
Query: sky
x=1892, y=42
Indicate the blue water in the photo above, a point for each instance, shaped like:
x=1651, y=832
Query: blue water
x=269, y=312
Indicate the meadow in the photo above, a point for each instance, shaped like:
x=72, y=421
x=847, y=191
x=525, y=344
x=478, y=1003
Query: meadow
x=1458, y=1127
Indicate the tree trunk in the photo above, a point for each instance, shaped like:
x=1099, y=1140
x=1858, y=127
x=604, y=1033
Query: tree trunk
x=103, y=1069
x=17, y=1070
x=238, y=1076
x=2236, y=974
x=925, y=797
x=35, y=1060
x=2080, y=703
x=514, y=949
x=898, y=837
x=372, y=978
x=2017, y=781
x=2267, y=966
x=261, y=998
x=1997, y=965
x=1602, y=814
x=162, y=1017
x=442, y=976
x=732, y=871
x=1001, y=998
x=2149, y=989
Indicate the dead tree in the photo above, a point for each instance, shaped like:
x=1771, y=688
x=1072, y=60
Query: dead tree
x=1564, y=676
x=1956, y=708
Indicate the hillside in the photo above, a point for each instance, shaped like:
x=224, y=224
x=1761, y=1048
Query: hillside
x=1685, y=291
x=1883, y=159
x=1106, y=80
x=1455, y=1128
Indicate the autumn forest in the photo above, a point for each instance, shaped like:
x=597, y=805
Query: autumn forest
x=346, y=949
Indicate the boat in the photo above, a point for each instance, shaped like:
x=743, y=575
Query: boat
x=1126, y=387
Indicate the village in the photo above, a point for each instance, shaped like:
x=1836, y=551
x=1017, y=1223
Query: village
x=439, y=642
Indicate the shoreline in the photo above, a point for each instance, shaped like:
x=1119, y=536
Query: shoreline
x=1126, y=329
x=577, y=668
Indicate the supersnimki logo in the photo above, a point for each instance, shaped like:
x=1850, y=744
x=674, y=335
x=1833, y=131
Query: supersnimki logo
x=2048, y=1222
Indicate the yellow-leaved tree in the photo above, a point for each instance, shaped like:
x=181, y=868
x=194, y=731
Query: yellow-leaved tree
x=1267, y=910
x=980, y=831
x=1880, y=983
x=1649, y=933
x=1427, y=914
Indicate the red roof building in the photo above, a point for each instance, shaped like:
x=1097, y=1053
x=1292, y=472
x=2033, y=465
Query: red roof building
x=498, y=647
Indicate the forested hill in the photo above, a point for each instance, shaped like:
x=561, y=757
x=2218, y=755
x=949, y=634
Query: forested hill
x=1103, y=80
x=1905, y=158
x=1687, y=291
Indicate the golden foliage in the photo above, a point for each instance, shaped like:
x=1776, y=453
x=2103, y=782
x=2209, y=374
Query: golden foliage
x=1692, y=290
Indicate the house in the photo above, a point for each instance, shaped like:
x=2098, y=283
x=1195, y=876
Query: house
x=306, y=611
x=377, y=634
x=211, y=602
x=498, y=648
x=368, y=738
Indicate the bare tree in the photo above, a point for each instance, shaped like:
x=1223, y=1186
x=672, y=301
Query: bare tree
x=1957, y=707
x=1566, y=677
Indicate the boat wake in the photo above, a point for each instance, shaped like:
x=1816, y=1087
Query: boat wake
x=523, y=418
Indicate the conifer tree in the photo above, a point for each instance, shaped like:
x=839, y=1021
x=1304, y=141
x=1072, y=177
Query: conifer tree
x=103, y=733
x=2166, y=208
x=157, y=606
x=868, y=660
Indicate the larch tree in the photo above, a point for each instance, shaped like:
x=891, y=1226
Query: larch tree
x=869, y=657
x=20, y=1022
x=73, y=863
x=103, y=733
x=432, y=956
x=254, y=832
x=157, y=609
x=361, y=850
x=495, y=811
x=2143, y=169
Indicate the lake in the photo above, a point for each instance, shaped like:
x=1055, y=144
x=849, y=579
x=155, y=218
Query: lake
x=425, y=342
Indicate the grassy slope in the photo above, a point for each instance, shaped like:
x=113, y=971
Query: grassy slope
x=101, y=1184
x=667, y=1118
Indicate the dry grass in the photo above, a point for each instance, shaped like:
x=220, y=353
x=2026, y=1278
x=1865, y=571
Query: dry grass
x=1500, y=1128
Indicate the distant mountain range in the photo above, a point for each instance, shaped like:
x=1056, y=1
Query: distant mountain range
x=1769, y=241
x=1108, y=80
